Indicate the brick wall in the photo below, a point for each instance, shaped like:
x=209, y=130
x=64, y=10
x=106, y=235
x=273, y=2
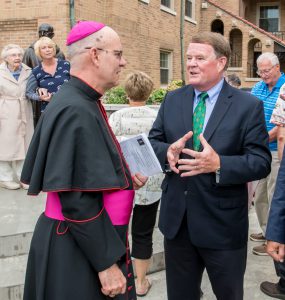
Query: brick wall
x=145, y=29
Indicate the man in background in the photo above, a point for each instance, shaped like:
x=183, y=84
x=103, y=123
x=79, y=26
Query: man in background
x=267, y=90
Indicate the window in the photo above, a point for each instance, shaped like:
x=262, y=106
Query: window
x=269, y=18
x=165, y=67
x=168, y=6
x=189, y=8
x=166, y=3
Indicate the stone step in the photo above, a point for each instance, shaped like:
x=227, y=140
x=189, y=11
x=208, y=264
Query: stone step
x=13, y=245
x=19, y=244
x=13, y=269
x=17, y=221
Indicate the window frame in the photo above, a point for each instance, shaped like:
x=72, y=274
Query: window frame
x=170, y=64
x=261, y=4
x=168, y=9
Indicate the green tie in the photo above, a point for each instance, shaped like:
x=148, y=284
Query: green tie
x=198, y=119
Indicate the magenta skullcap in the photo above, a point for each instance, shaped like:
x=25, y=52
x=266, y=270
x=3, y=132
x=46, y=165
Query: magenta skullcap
x=81, y=30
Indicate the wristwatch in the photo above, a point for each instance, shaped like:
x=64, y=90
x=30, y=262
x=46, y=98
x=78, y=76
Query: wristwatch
x=167, y=169
x=218, y=173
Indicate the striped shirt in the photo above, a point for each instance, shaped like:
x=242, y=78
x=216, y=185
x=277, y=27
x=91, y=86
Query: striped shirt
x=269, y=98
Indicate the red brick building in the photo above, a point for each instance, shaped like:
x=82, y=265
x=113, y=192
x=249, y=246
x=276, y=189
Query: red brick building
x=151, y=30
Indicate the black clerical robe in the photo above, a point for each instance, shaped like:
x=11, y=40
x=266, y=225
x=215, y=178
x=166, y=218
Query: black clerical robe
x=74, y=153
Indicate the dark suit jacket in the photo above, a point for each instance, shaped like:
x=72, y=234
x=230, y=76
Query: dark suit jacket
x=275, y=230
x=217, y=214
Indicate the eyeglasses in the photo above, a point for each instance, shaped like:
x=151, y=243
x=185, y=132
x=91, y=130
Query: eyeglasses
x=14, y=55
x=117, y=53
x=264, y=72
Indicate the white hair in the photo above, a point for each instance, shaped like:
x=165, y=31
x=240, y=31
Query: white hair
x=8, y=47
x=268, y=56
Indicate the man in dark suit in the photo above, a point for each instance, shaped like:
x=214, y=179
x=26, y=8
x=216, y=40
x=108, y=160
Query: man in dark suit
x=204, y=209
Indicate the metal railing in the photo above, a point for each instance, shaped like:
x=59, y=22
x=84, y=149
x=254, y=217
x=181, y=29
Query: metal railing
x=235, y=60
x=251, y=71
x=279, y=34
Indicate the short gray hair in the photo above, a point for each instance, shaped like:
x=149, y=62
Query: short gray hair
x=268, y=56
x=8, y=47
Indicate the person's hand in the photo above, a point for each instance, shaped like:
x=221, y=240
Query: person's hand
x=282, y=96
x=276, y=250
x=44, y=94
x=113, y=281
x=175, y=149
x=139, y=180
x=206, y=161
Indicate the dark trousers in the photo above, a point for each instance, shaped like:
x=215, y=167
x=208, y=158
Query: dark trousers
x=185, y=264
x=280, y=271
x=143, y=223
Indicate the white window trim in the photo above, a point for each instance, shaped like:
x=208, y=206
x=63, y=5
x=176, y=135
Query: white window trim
x=193, y=18
x=170, y=9
x=267, y=4
x=170, y=66
x=145, y=1
x=190, y=20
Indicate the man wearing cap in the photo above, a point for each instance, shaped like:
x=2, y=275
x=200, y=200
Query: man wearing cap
x=80, y=248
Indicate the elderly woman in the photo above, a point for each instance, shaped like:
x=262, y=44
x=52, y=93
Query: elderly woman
x=16, y=116
x=49, y=75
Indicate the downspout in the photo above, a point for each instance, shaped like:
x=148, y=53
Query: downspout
x=182, y=15
x=71, y=13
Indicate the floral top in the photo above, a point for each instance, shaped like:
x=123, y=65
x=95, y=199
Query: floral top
x=128, y=122
x=41, y=79
x=278, y=114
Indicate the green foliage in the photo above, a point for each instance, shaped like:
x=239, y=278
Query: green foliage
x=116, y=95
x=156, y=96
x=174, y=84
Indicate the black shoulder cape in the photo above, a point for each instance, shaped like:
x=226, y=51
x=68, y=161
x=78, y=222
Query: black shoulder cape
x=73, y=147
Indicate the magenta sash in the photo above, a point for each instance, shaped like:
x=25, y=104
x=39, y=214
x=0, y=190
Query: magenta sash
x=53, y=207
x=118, y=205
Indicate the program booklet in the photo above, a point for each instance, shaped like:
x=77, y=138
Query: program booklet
x=140, y=156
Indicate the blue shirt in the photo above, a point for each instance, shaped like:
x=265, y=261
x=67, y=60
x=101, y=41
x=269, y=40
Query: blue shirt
x=269, y=98
x=213, y=94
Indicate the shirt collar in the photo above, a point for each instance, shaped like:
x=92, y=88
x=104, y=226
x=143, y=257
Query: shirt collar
x=212, y=92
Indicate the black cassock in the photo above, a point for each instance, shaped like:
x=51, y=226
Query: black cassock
x=74, y=153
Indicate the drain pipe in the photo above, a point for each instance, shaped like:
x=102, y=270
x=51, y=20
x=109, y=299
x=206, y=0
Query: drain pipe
x=71, y=13
x=182, y=15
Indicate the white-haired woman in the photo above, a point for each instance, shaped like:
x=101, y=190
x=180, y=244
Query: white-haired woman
x=16, y=116
x=49, y=75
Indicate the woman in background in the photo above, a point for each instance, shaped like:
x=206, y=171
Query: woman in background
x=126, y=123
x=16, y=116
x=49, y=75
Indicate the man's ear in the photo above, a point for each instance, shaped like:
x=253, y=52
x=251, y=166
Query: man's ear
x=222, y=61
x=94, y=56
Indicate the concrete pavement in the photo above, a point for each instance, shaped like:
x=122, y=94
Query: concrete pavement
x=19, y=212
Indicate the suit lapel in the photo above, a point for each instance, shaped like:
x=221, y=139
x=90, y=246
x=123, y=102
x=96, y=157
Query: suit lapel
x=187, y=111
x=222, y=105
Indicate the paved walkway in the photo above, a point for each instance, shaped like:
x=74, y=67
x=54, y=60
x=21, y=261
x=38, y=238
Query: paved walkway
x=18, y=214
x=259, y=268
